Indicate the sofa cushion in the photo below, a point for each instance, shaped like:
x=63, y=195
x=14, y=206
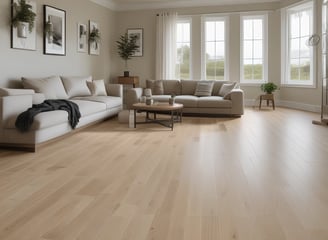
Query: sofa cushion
x=156, y=86
x=217, y=86
x=187, y=100
x=188, y=87
x=172, y=87
x=76, y=86
x=44, y=120
x=204, y=88
x=98, y=88
x=51, y=87
x=226, y=88
x=213, y=102
x=89, y=107
x=111, y=102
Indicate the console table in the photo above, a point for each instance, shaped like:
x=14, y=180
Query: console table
x=133, y=80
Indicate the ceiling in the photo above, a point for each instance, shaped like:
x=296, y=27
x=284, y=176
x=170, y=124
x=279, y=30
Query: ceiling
x=121, y=5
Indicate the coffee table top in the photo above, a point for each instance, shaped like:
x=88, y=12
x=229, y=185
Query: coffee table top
x=157, y=106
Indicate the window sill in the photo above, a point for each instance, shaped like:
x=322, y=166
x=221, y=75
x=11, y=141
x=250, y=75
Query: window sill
x=297, y=86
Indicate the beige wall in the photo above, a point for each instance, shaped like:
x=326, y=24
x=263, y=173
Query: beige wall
x=145, y=66
x=17, y=63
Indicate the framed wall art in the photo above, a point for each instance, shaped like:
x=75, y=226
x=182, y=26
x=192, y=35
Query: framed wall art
x=23, y=29
x=82, y=41
x=139, y=33
x=94, y=38
x=55, y=31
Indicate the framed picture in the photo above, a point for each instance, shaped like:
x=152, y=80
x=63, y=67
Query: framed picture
x=23, y=36
x=82, y=43
x=55, y=34
x=139, y=33
x=94, y=38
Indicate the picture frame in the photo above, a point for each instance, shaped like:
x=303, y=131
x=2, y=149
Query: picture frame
x=21, y=37
x=139, y=42
x=82, y=38
x=55, y=37
x=94, y=46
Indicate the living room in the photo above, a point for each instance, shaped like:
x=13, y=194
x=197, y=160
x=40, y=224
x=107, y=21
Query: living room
x=261, y=176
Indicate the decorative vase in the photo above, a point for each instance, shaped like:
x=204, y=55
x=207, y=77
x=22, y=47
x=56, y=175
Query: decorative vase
x=171, y=100
x=22, y=29
x=126, y=73
x=149, y=101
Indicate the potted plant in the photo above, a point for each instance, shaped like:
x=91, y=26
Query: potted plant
x=269, y=87
x=172, y=99
x=126, y=48
x=94, y=37
x=23, y=18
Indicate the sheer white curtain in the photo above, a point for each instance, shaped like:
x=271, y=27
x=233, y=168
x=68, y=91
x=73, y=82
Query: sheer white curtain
x=166, y=45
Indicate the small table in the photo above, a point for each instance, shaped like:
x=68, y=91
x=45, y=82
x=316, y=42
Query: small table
x=175, y=110
x=268, y=98
x=133, y=80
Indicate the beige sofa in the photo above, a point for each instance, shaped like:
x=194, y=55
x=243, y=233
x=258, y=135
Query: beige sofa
x=231, y=103
x=94, y=103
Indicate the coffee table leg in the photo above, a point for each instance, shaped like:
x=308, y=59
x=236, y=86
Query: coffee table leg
x=135, y=118
x=172, y=119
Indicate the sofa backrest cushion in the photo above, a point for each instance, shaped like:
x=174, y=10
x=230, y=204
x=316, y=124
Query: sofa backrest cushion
x=51, y=87
x=97, y=87
x=188, y=87
x=172, y=87
x=156, y=86
x=77, y=86
x=217, y=86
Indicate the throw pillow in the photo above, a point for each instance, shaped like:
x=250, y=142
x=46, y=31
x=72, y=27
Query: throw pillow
x=76, y=86
x=98, y=87
x=51, y=87
x=204, y=89
x=156, y=86
x=226, y=88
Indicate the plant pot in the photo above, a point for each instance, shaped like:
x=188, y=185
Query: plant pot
x=126, y=73
x=22, y=28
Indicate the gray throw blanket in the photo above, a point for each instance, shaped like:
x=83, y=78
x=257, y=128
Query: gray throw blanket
x=25, y=119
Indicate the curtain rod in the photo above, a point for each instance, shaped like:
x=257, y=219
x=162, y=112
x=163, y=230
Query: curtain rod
x=226, y=12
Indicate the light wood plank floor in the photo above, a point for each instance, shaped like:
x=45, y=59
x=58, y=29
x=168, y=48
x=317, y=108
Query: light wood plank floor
x=260, y=177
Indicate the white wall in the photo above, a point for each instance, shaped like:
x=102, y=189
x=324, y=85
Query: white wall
x=16, y=63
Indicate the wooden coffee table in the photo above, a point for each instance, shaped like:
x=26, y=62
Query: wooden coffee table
x=174, y=110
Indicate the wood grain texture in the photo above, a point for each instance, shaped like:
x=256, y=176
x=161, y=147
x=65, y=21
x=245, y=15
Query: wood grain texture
x=259, y=177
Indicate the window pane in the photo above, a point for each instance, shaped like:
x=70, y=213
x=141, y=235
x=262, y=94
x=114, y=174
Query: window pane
x=294, y=69
x=248, y=49
x=294, y=48
x=294, y=25
x=305, y=23
x=305, y=69
x=304, y=49
x=258, y=49
x=186, y=32
x=210, y=31
x=210, y=69
x=248, y=69
x=210, y=50
x=219, y=50
x=248, y=29
x=219, y=31
x=219, y=66
x=258, y=34
x=183, y=50
x=258, y=69
x=185, y=64
x=179, y=32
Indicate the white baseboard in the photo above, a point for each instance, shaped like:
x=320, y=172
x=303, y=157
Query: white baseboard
x=287, y=104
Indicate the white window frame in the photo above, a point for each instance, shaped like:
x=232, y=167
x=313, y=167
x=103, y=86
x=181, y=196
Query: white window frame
x=185, y=19
x=285, y=53
x=216, y=17
x=264, y=18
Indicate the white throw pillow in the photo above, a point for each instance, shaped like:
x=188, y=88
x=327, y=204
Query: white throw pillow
x=77, y=86
x=226, y=88
x=98, y=88
x=51, y=87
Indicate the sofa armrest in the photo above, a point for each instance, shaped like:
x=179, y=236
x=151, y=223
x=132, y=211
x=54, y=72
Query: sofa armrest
x=15, y=92
x=133, y=95
x=11, y=106
x=115, y=90
x=237, y=98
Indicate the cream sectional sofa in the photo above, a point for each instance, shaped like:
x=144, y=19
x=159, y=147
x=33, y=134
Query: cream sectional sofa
x=227, y=103
x=96, y=101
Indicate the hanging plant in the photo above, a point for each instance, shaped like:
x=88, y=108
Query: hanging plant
x=23, y=13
